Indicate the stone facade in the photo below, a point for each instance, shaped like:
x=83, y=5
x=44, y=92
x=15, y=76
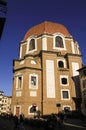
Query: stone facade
x=46, y=72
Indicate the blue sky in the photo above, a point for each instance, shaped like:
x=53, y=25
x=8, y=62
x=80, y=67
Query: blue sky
x=23, y=14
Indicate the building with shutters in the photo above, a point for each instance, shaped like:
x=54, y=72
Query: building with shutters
x=45, y=74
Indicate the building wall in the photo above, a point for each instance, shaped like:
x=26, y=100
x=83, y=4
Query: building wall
x=41, y=64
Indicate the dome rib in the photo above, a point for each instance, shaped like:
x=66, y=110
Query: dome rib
x=48, y=27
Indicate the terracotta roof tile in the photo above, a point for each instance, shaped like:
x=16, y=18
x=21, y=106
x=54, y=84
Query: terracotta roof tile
x=48, y=27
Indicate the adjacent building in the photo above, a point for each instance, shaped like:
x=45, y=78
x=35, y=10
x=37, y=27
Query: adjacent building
x=5, y=103
x=82, y=72
x=45, y=74
x=1, y=96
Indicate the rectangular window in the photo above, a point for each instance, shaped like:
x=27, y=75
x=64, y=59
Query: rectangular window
x=33, y=81
x=64, y=80
x=65, y=94
x=19, y=82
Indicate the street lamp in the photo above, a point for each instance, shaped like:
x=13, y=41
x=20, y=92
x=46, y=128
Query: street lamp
x=58, y=105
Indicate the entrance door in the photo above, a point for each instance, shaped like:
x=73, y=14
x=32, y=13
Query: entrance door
x=17, y=111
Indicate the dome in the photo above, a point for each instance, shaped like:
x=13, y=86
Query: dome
x=48, y=27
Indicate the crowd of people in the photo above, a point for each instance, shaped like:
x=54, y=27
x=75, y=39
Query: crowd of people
x=52, y=121
x=19, y=121
x=55, y=121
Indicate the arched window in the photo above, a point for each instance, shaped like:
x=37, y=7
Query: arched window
x=32, y=109
x=67, y=109
x=59, y=42
x=32, y=44
x=61, y=64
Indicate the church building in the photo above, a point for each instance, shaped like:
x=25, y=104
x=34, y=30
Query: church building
x=45, y=75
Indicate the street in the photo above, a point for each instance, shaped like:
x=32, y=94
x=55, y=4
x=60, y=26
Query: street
x=7, y=124
x=74, y=127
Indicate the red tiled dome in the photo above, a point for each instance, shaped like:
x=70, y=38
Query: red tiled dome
x=48, y=27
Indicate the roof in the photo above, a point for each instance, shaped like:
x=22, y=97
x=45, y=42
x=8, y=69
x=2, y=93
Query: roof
x=48, y=27
x=1, y=92
x=83, y=67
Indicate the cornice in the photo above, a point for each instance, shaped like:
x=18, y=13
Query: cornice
x=23, y=68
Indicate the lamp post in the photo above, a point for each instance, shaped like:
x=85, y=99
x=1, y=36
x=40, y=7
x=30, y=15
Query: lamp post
x=58, y=105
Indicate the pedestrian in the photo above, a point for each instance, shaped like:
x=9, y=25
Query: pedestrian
x=21, y=120
x=60, y=119
x=16, y=123
x=51, y=123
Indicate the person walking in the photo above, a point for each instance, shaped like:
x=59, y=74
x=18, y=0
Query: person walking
x=16, y=122
x=21, y=121
x=60, y=119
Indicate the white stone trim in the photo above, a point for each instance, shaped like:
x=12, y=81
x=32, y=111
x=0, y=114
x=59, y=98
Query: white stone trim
x=59, y=48
x=75, y=67
x=44, y=43
x=20, y=51
x=21, y=46
x=28, y=41
x=63, y=62
x=15, y=109
x=62, y=94
x=50, y=79
x=29, y=110
x=64, y=76
x=18, y=93
x=33, y=94
x=66, y=106
x=33, y=86
x=22, y=62
x=72, y=46
x=16, y=78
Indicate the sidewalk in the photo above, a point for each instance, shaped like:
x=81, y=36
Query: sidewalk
x=76, y=122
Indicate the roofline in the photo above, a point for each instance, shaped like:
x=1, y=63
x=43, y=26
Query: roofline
x=84, y=67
